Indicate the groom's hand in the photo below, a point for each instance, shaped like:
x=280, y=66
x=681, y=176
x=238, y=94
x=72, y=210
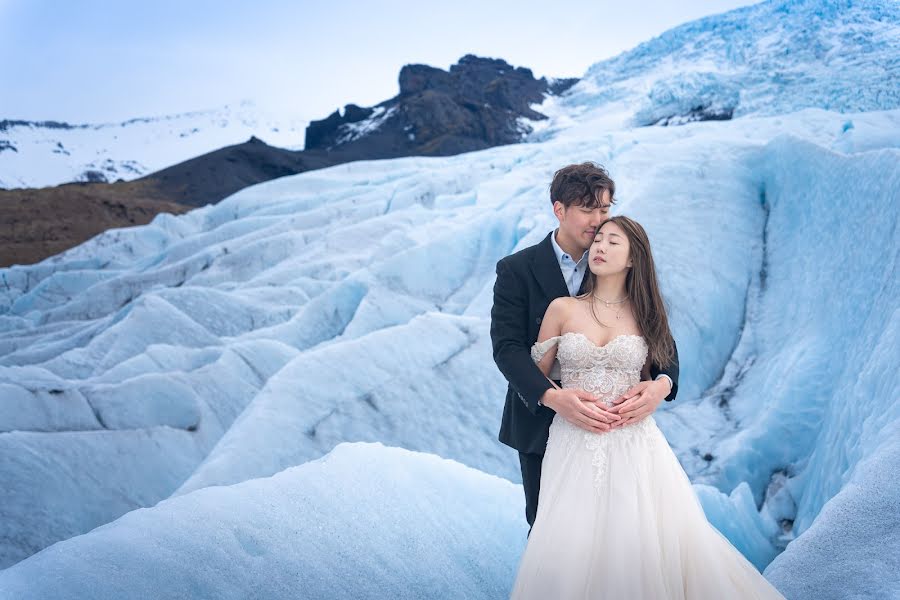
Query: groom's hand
x=580, y=408
x=639, y=401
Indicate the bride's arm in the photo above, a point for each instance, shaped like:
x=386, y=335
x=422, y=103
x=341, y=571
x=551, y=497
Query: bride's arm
x=551, y=327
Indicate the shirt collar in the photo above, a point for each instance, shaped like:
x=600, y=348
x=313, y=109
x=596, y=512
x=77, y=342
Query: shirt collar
x=561, y=254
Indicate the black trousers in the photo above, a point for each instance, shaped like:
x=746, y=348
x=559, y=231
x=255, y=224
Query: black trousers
x=531, y=481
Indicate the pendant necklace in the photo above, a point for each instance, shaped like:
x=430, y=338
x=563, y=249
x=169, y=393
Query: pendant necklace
x=612, y=302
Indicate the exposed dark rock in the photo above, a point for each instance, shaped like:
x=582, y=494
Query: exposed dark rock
x=7, y=123
x=558, y=86
x=211, y=177
x=697, y=113
x=93, y=176
x=317, y=132
x=474, y=105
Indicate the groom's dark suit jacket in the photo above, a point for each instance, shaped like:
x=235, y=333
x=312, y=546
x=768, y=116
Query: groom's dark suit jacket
x=527, y=282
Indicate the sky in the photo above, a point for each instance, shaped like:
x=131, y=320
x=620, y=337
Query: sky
x=97, y=61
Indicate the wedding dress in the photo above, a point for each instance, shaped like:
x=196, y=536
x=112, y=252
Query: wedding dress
x=618, y=518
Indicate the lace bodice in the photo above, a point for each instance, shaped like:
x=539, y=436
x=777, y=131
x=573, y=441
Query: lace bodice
x=606, y=371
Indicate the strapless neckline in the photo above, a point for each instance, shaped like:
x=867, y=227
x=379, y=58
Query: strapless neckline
x=600, y=346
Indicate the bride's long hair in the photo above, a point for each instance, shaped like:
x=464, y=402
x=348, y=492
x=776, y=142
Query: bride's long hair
x=642, y=289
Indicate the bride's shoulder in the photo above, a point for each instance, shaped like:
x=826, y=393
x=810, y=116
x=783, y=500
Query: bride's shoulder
x=562, y=305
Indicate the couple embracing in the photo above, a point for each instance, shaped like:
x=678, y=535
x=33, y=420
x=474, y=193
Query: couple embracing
x=579, y=330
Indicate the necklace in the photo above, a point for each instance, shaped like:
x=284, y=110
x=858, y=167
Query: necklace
x=609, y=302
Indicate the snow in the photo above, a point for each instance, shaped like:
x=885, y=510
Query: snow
x=215, y=363
x=353, y=131
x=34, y=154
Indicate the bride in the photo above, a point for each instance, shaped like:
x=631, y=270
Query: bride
x=618, y=518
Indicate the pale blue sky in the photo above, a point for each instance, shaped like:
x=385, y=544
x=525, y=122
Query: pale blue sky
x=101, y=61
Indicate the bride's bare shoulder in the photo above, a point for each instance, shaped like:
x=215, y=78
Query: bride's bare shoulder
x=562, y=306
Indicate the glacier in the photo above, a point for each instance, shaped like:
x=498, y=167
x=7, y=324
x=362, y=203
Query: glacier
x=222, y=358
x=453, y=531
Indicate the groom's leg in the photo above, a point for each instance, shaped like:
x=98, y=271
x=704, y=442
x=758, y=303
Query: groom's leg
x=531, y=481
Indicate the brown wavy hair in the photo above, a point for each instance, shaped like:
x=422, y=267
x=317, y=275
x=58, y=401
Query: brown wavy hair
x=642, y=289
x=582, y=184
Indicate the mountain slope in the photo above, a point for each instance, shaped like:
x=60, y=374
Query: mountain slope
x=36, y=154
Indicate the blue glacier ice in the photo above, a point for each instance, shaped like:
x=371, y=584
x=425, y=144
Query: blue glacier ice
x=456, y=532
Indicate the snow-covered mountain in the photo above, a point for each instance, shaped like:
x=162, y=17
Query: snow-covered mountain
x=767, y=59
x=200, y=359
x=45, y=153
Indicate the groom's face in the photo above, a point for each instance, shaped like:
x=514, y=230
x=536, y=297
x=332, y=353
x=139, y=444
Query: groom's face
x=577, y=223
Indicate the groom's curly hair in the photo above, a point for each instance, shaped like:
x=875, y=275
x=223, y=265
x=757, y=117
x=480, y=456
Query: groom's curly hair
x=581, y=184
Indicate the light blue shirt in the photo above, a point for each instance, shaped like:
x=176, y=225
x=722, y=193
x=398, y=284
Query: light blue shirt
x=572, y=272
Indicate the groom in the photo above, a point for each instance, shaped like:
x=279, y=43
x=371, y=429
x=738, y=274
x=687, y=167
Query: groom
x=527, y=282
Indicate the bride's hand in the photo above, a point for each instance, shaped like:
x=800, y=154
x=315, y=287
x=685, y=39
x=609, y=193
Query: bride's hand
x=639, y=401
x=580, y=408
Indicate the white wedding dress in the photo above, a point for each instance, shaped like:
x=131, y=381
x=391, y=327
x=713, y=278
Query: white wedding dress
x=617, y=517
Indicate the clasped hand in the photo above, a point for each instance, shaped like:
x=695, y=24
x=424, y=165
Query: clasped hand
x=641, y=400
x=587, y=411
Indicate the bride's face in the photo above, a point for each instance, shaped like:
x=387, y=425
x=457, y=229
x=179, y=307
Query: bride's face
x=611, y=252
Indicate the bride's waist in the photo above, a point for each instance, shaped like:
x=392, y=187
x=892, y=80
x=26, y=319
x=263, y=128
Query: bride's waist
x=605, y=390
x=647, y=425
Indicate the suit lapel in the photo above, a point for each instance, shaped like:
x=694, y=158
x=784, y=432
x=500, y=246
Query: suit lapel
x=546, y=270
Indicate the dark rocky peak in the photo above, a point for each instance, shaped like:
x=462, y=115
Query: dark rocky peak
x=415, y=79
x=476, y=68
x=476, y=104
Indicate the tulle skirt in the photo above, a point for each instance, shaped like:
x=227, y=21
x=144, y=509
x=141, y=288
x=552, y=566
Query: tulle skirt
x=619, y=519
